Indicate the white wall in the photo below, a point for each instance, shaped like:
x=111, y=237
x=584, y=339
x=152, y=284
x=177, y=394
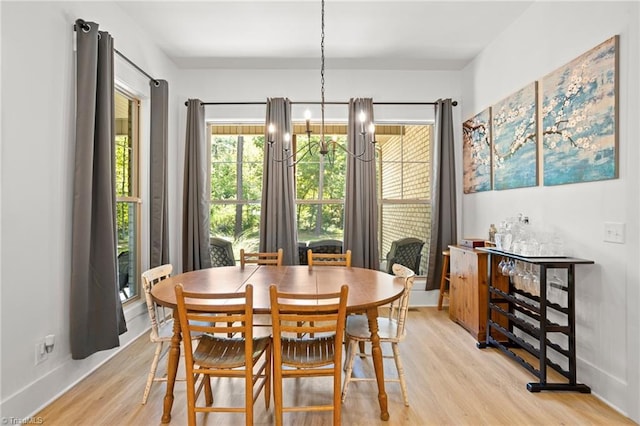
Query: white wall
x=546, y=37
x=38, y=99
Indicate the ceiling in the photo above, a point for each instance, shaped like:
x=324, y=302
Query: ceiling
x=359, y=34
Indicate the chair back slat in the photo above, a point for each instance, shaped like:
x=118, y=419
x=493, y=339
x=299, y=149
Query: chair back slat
x=328, y=259
x=225, y=317
x=261, y=258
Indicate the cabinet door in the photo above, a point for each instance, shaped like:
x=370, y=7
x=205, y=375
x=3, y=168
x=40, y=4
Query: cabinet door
x=467, y=304
x=458, y=293
x=475, y=289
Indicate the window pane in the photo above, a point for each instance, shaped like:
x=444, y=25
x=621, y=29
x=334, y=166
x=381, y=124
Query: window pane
x=127, y=205
x=124, y=166
x=391, y=180
x=335, y=174
x=252, y=166
x=329, y=225
x=126, y=219
x=414, y=181
x=222, y=220
x=307, y=178
x=249, y=238
x=307, y=218
x=223, y=168
x=405, y=210
x=239, y=223
x=416, y=144
x=332, y=221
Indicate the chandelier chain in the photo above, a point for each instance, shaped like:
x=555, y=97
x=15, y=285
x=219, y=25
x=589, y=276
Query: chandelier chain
x=322, y=73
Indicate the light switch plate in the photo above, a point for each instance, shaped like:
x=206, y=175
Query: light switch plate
x=614, y=232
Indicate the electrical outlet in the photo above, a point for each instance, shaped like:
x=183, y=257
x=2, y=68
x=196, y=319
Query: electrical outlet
x=41, y=353
x=614, y=232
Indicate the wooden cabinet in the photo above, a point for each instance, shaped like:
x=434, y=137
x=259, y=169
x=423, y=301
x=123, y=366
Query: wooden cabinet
x=468, y=290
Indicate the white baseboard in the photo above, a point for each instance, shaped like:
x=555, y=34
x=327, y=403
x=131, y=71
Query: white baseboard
x=421, y=297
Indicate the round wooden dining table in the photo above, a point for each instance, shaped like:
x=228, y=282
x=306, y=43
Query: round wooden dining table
x=368, y=289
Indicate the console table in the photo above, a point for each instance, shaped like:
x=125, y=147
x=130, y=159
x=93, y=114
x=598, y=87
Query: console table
x=527, y=317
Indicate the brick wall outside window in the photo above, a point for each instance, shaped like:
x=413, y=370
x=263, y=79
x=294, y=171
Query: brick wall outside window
x=405, y=180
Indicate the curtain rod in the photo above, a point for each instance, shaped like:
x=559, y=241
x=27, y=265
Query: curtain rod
x=87, y=27
x=454, y=103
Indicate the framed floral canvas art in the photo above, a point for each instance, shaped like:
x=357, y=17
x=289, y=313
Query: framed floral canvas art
x=476, y=152
x=579, y=118
x=514, y=133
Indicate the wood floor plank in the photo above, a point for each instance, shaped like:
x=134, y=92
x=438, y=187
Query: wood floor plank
x=450, y=382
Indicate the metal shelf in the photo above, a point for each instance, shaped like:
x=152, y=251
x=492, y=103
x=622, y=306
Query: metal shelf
x=526, y=315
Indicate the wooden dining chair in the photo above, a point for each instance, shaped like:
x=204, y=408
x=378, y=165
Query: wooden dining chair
x=328, y=259
x=161, y=323
x=218, y=355
x=265, y=258
x=320, y=315
x=391, y=330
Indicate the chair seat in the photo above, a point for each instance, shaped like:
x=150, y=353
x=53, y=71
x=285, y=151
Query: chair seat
x=357, y=328
x=312, y=352
x=219, y=352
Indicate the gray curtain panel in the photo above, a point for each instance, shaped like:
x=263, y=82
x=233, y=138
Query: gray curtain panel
x=278, y=224
x=361, y=195
x=158, y=208
x=96, y=315
x=443, y=192
x=195, y=206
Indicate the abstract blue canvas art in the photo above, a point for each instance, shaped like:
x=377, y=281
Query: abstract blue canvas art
x=515, y=136
x=579, y=118
x=476, y=153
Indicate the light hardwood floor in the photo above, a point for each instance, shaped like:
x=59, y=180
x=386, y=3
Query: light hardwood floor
x=450, y=382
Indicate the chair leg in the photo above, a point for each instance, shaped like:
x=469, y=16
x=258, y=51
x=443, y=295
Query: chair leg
x=191, y=399
x=248, y=398
x=361, y=347
x=152, y=372
x=347, y=353
x=403, y=384
x=337, y=402
x=277, y=392
x=267, y=372
x=351, y=354
x=208, y=393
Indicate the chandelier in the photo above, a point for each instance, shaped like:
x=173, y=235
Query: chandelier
x=325, y=147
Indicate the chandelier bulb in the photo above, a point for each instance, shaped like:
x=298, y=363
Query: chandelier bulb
x=362, y=116
x=286, y=141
